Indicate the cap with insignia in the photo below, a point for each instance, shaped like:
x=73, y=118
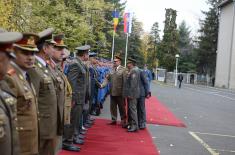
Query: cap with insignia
x=7, y=39
x=83, y=48
x=118, y=57
x=92, y=54
x=59, y=41
x=45, y=37
x=28, y=42
x=131, y=60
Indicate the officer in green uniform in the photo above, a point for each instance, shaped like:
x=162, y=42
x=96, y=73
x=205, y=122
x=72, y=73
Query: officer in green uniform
x=9, y=140
x=42, y=80
x=20, y=83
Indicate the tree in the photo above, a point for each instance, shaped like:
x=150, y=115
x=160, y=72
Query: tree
x=169, y=45
x=207, y=41
x=187, y=59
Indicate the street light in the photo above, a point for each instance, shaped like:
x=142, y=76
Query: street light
x=176, y=68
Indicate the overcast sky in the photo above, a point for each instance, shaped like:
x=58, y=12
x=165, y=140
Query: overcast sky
x=150, y=11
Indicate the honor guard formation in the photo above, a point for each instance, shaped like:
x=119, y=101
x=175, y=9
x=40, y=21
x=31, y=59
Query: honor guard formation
x=49, y=94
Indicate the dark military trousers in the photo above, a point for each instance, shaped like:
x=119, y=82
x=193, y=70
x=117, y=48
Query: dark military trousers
x=47, y=146
x=76, y=118
x=132, y=113
x=114, y=102
x=141, y=111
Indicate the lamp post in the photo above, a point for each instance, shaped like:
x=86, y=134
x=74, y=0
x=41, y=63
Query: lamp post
x=176, y=68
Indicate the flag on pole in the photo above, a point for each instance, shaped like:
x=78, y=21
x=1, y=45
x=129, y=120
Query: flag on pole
x=127, y=22
x=115, y=19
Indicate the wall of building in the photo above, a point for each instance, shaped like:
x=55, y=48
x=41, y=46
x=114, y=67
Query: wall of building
x=232, y=71
x=223, y=67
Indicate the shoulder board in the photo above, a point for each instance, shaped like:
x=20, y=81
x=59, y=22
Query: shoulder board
x=11, y=71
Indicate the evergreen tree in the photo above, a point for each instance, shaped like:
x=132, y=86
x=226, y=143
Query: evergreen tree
x=169, y=45
x=206, y=52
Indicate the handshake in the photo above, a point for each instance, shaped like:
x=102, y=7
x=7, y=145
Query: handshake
x=148, y=95
x=99, y=84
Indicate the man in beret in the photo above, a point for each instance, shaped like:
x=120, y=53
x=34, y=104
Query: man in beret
x=20, y=83
x=9, y=138
x=116, y=78
x=42, y=79
x=78, y=79
x=131, y=91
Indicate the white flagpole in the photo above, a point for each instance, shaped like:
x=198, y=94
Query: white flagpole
x=127, y=34
x=113, y=46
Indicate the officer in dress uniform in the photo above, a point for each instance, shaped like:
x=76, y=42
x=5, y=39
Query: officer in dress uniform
x=77, y=78
x=9, y=138
x=19, y=82
x=131, y=91
x=116, y=78
x=42, y=80
x=60, y=80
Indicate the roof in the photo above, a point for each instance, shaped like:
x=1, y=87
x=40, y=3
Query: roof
x=224, y=3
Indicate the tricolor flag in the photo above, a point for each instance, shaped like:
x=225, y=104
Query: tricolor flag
x=127, y=22
x=115, y=19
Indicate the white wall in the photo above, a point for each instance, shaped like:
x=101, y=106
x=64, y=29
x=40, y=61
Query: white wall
x=224, y=46
x=232, y=72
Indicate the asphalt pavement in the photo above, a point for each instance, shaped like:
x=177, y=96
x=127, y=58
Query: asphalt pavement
x=208, y=113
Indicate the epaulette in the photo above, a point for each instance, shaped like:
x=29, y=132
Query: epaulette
x=11, y=71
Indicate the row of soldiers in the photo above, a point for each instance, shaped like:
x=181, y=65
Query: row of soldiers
x=39, y=104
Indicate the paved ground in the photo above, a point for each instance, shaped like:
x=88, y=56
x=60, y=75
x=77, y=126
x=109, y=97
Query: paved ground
x=209, y=114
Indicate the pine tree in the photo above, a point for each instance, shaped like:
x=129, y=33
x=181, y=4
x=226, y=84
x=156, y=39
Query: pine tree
x=169, y=45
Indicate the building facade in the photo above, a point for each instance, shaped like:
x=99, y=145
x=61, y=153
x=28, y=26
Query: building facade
x=225, y=64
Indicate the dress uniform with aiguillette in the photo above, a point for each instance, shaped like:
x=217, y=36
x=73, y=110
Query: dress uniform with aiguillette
x=27, y=111
x=9, y=138
x=41, y=78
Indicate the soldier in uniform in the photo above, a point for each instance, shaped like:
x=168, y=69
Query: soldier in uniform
x=116, y=77
x=131, y=91
x=9, y=139
x=19, y=82
x=42, y=80
x=77, y=78
x=60, y=80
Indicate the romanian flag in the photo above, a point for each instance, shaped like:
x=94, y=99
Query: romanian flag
x=115, y=19
x=127, y=22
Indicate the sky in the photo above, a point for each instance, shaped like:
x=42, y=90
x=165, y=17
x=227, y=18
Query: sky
x=151, y=11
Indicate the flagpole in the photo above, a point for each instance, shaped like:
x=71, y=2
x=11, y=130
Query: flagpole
x=113, y=45
x=126, y=48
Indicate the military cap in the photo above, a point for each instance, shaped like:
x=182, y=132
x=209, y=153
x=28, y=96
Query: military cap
x=92, y=54
x=131, y=60
x=59, y=41
x=118, y=57
x=28, y=42
x=7, y=39
x=83, y=48
x=46, y=36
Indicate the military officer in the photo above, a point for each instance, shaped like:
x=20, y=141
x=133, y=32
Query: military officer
x=77, y=77
x=19, y=82
x=42, y=80
x=144, y=93
x=116, y=78
x=131, y=91
x=9, y=140
x=60, y=80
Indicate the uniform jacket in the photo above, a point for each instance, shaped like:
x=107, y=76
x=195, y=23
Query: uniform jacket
x=59, y=82
x=41, y=78
x=27, y=110
x=131, y=86
x=144, y=85
x=116, y=78
x=77, y=79
x=9, y=138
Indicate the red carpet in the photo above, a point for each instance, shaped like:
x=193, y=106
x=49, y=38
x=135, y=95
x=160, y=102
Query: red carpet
x=103, y=139
x=157, y=113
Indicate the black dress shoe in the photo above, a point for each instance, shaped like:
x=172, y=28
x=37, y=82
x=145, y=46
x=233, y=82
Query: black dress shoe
x=112, y=123
x=78, y=141
x=91, y=119
x=80, y=136
x=90, y=122
x=87, y=125
x=132, y=130
x=70, y=147
x=83, y=132
x=142, y=127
